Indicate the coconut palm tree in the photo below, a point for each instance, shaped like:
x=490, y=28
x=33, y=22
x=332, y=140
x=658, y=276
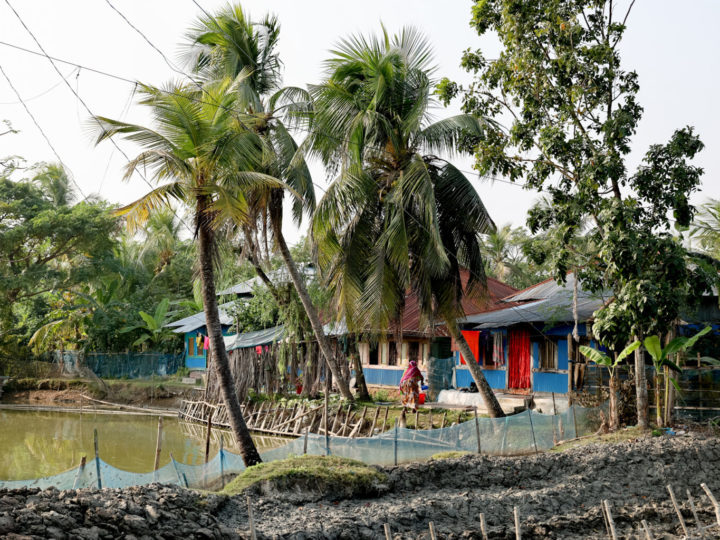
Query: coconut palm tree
x=53, y=179
x=397, y=216
x=201, y=150
x=229, y=44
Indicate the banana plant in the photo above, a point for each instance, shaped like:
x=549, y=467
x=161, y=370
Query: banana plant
x=602, y=359
x=661, y=358
x=153, y=326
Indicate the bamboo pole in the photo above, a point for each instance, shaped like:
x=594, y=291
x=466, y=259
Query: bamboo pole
x=97, y=459
x=251, y=520
x=477, y=431
x=388, y=536
x=694, y=513
x=433, y=536
x=518, y=531
x=372, y=428
x=207, y=436
x=483, y=527
x=442, y=425
x=387, y=410
x=611, y=522
x=81, y=468
x=648, y=534
x=677, y=510
x=158, y=446
x=713, y=500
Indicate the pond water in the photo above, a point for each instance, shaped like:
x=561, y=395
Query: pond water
x=34, y=444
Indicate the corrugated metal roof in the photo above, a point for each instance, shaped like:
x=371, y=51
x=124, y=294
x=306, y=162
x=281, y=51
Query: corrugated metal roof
x=277, y=276
x=253, y=339
x=546, y=302
x=412, y=320
x=193, y=322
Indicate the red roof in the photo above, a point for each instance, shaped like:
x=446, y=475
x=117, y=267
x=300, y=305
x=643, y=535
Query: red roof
x=496, y=291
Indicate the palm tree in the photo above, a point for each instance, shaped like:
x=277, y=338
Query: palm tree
x=706, y=228
x=161, y=239
x=230, y=45
x=396, y=217
x=55, y=183
x=201, y=148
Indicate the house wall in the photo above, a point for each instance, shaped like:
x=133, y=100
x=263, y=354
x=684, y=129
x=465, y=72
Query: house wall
x=198, y=361
x=383, y=374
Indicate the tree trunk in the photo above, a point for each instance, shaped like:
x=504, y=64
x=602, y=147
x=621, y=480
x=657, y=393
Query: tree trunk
x=614, y=415
x=362, y=389
x=311, y=311
x=221, y=363
x=491, y=402
x=641, y=392
x=669, y=399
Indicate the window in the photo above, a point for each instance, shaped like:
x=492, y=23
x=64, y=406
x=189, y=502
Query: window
x=414, y=351
x=193, y=346
x=548, y=354
x=486, y=350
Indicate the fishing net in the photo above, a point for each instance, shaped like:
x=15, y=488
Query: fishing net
x=523, y=433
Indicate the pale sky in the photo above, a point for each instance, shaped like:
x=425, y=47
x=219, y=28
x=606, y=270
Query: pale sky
x=674, y=47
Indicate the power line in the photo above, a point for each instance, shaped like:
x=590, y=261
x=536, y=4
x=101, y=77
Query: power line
x=42, y=132
x=83, y=102
x=41, y=94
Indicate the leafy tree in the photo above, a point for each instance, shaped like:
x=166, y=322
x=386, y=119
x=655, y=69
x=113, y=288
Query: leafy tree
x=572, y=111
x=200, y=146
x=45, y=247
x=396, y=216
x=229, y=44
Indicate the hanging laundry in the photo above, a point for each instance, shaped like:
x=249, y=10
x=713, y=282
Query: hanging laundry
x=498, y=349
x=258, y=349
x=206, y=345
x=199, y=341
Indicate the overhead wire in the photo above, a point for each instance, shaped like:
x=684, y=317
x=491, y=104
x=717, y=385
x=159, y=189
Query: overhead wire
x=84, y=104
x=42, y=132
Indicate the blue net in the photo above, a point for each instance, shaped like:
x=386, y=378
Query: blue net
x=523, y=433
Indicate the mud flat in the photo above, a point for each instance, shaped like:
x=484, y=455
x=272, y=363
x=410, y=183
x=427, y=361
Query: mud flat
x=558, y=495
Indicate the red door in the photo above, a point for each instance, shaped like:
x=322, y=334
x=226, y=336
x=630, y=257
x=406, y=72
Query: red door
x=518, y=359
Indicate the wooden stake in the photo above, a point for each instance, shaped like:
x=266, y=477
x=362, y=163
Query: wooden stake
x=713, y=500
x=483, y=527
x=207, y=435
x=417, y=416
x=395, y=441
x=97, y=459
x=477, y=431
x=430, y=420
x=360, y=424
x=532, y=430
x=222, y=465
x=516, y=515
x=79, y=473
x=388, y=536
x=158, y=446
x=677, y=511
x=251, y=521
x=387, y=410
x=347, y=419
x=307, y=430
x=372, y=428
x=181, y=480
x=611, y=522
x=648, y=534
x=325, y=410
x=432, y=531
x=443, y=420
x=694, y=513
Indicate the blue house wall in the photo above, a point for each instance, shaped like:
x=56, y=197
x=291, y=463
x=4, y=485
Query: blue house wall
x=199, y=361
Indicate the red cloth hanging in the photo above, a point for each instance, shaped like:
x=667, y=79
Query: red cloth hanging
x=518, y=359
x=473, y=340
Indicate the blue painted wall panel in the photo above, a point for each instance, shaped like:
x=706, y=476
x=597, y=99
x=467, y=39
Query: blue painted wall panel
x=495, y=377
x=550, y=382
x=562, y=354
x=195, y=362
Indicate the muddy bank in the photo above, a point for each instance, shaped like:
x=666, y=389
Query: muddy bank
x=558, y=496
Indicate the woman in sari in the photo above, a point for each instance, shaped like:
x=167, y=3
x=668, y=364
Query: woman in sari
x=410, y=386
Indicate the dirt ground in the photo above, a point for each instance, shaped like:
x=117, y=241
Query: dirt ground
x=558, y=495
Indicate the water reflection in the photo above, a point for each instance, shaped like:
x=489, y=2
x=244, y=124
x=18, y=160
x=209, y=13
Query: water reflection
x=42, y=443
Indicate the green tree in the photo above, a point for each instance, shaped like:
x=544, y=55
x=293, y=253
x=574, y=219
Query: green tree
x=396, y=217
x=153, y=327
x=229, y=44
x=46, y=247
x=199, y=144
x=572, y=112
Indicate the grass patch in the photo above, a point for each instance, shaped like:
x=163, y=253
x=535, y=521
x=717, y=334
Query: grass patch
x=627, y=434
x=453, y=454
x=319, y=476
